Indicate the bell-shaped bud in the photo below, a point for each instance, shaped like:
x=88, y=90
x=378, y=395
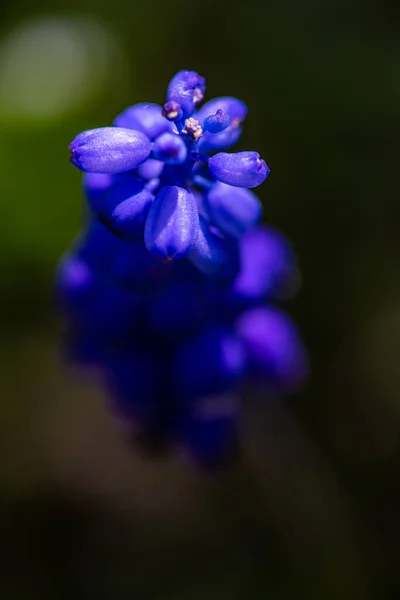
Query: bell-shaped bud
x=187, y=89
x=235, y=109
x=150, y=169
x=211, y=142
x=274, y=347
x=124, y=208
x=93, y=305
x=216, y=123
x=170, y=149
x=95, y=185
x=172, y=224
x=109, y=150
x=234, y=210
x=212, y=254
x=268, y=267
x=144, y=117
x=74, y=284
x=240, y=169
x=97, y=246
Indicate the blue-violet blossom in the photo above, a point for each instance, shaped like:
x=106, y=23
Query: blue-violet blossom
x=169, y=290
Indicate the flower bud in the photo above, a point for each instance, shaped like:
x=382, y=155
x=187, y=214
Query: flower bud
x=274, y=347
x=187, y=89
x=235, y=109
x=170, y=148
x=144, y=117
x=75, y=283
x=234, y=210
x=124, y=208
x=240, y=169
x=91, y=304
x=211, y=142
x=172, y=225
x=216, y=123
x=95, y=185
x=212, y=254
x=97, y=246
x=109, y=150
x=268, y=267
x=150, y=169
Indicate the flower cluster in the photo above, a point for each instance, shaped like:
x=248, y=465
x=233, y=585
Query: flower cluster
x=169, y=290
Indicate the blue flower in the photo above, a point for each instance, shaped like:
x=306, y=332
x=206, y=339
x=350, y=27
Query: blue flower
x=124, y=207
x=273, y=347
x=172, y=226
x=144, y=117
x=217, y=122
x=268, y=267
x=237, y=112
x=213, y=254
x=234, y=210
x=187, y=90
x=170, y=149
x=109, y=150
x=240, y=169
x=165, y=147
x=164, y=292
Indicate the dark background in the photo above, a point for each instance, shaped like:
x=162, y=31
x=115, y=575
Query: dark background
x=312, y=510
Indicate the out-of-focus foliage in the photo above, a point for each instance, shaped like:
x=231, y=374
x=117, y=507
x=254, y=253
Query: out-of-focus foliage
x=313, y=511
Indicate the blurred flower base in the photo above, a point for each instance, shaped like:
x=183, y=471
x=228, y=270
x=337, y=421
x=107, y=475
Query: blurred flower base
x=86, y=515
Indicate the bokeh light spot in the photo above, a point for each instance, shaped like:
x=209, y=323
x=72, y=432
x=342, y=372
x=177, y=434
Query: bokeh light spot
x=52, y=66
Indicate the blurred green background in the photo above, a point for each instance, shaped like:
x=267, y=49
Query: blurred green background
x=312, y=510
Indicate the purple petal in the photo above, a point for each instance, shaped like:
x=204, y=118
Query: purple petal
x=274, y=347
x=172, y=225
x=124, y=208
x=234, y=210
x=240, y=169
x=187, y=89
x=144, y=117
x=109, y=150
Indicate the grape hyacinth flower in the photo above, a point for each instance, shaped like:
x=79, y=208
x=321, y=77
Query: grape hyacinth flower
x=169, y=291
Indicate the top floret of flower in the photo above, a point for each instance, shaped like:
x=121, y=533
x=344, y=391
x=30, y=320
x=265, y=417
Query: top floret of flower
x=187, y=89
x=154, y=176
